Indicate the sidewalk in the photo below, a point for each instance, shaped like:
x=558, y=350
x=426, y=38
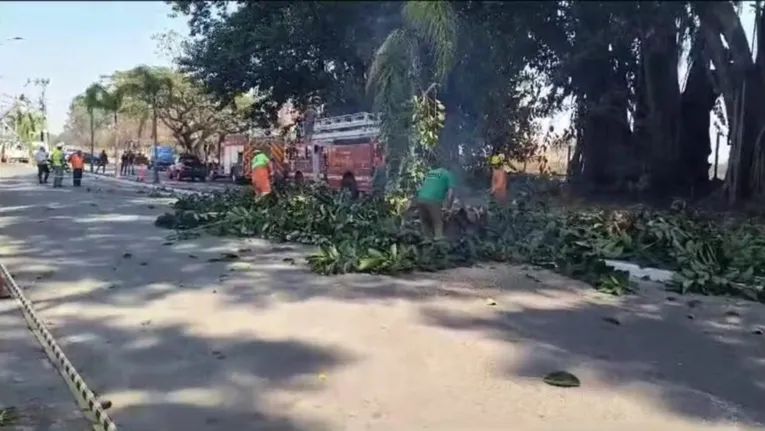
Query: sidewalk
x=32, y=393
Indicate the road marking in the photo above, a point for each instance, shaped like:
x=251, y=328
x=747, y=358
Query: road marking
x=85, y=397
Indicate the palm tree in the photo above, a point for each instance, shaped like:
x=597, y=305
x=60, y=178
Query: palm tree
x=92, y=101
x=112, y=101
x=150, y=85
x=400, y=76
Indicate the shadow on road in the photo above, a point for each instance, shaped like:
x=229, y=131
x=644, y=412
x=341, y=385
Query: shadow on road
x=99, y=272
x=706, y=354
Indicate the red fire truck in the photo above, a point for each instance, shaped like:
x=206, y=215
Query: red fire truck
x=341, y=145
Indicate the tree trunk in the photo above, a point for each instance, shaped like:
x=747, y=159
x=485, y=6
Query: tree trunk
x=116, y=144
x=696, y=103
x=741, y=82
x=92, y=141
x=661, y=113
x=154, y=142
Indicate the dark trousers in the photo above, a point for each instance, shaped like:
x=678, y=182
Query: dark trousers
x=42, y=173
x=77, y=177
x=432, y=219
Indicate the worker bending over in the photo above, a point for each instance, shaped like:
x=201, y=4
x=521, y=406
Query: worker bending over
x=261, y=181
x=57, y=161
x=78, y=163
x=436, y=191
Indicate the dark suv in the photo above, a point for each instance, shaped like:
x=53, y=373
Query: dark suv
x=188, y=167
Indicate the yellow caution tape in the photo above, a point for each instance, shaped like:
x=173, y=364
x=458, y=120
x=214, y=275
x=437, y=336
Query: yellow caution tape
x=77, y=386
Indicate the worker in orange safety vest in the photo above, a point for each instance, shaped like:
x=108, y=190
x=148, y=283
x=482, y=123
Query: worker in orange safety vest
x=261, y=173
x=499, y=177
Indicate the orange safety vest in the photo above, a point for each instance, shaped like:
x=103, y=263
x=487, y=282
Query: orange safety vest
x=499, y=184
x=76, y=161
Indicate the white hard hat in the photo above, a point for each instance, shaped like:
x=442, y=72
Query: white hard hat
x=59, y=145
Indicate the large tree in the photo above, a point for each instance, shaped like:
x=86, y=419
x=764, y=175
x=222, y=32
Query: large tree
x=195, y=119
x=637, y=124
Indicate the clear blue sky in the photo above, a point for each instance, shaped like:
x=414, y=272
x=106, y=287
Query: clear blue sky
x=74, y=43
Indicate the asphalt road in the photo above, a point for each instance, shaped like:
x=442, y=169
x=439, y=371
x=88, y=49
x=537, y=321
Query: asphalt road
x=180, y=340
x=185, y=185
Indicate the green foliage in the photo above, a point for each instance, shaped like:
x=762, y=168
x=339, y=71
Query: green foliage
x=373, y=235
x=287, y=50
x=428, y=119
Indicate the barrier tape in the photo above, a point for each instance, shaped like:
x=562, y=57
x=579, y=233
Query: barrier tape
x=77, y=386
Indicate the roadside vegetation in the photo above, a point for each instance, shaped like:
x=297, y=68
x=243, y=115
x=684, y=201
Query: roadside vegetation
x=461, y=81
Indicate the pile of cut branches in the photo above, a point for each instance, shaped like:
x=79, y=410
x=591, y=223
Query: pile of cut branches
x=375, y=235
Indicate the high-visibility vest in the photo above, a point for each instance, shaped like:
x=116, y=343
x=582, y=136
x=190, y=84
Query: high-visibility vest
x=77, y=162
x=57, y=158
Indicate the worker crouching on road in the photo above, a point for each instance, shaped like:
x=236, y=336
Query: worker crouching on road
x=261, y=181
x=78, y=163
x=498, y=178
x=436, y=191
x=57, y=161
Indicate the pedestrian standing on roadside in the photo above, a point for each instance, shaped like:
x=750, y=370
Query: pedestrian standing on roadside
x=103, y=160
x=78, y=163
x=131, y=162
x=123, y=164
x=41, y=158
x=58, y=161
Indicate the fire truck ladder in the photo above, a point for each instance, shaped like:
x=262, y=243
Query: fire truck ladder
x=359, y=125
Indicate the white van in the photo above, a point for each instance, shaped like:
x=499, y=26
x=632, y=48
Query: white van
x=17, y=153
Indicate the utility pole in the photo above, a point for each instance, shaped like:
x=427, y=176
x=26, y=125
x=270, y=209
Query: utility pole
x=43, y=84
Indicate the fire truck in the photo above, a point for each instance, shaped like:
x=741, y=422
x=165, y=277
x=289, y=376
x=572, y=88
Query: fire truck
x=339, y=146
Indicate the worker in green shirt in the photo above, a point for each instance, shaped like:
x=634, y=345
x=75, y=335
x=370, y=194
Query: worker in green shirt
x=436, y=191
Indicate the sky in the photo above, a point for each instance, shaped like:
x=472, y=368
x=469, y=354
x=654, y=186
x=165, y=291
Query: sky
x=75, y=43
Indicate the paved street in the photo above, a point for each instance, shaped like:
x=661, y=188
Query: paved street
x=186, y=185
x=180, y=339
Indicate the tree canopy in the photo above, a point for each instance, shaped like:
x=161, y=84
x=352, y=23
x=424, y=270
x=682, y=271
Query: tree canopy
x=498, y=67
x=186, y=115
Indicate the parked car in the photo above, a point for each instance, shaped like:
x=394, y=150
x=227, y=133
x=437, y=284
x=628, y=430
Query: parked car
x=188, y=167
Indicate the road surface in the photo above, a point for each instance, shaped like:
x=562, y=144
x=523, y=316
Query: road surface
x=180, y=340
x=185, y=185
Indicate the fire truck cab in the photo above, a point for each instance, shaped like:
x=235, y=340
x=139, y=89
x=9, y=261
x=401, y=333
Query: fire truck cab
x=339, y=146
